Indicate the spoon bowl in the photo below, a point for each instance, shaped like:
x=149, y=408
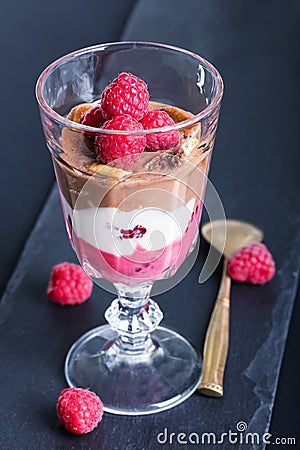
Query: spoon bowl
x=237, y=235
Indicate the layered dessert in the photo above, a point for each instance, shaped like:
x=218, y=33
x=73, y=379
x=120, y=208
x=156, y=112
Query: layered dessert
x=132, y=198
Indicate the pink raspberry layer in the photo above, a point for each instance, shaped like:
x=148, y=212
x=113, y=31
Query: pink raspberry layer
x=142, y=264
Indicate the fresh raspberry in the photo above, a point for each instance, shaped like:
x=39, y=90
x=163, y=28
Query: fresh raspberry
x=79, y=410
x=253, y=263
x=164, y=140
x=69, y=284
x=110, y=147
x=126, y=94
x=94, y=117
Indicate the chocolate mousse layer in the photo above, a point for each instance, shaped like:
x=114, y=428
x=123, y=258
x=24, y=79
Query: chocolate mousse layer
x=163, y=179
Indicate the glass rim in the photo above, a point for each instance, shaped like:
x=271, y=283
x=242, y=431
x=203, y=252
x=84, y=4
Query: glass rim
x=53, y=115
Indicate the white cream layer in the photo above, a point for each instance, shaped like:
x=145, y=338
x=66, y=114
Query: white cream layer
x=101, y=227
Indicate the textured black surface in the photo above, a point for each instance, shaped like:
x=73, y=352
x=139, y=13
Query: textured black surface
x=255, y=167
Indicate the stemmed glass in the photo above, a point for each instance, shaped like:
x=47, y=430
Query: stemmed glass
x=132, y=223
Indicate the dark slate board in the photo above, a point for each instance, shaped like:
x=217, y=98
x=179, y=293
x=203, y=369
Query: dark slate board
x=36, y=334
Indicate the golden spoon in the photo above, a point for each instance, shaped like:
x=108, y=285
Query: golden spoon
x=238, y=235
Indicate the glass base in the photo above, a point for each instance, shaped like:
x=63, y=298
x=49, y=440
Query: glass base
x=136, y=384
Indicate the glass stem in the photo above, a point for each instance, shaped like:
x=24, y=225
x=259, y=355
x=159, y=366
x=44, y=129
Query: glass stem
x=133, y=315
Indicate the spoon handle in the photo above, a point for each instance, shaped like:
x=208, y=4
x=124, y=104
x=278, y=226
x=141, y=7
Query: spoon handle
x=216, y=342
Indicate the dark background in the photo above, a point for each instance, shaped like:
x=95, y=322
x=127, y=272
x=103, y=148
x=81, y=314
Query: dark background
x=254, y=44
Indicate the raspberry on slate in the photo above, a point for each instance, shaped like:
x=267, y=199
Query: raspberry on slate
x=94, y=117
x=126, y=94
x=110, y=147
x=69, y=284
x=164, y=140
x=79, y=410
x=253, y=263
